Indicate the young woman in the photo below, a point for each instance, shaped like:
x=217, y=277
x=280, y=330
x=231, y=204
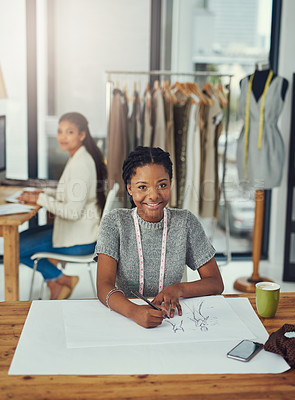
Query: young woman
x=77, y=204
x=146, y=248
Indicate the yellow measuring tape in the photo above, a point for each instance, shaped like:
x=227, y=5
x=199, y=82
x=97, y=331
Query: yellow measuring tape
x=261, y=117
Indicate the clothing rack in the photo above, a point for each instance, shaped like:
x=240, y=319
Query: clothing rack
x=167, y=73
x=160, y=73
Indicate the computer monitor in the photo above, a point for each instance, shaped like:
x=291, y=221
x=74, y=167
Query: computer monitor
x=2, y=148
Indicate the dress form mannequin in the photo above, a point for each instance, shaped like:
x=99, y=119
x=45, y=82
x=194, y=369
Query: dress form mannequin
x=246, y=284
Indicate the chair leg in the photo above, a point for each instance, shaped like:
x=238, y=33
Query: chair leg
x=41, y=290
x=91, y=279
x=33, y=277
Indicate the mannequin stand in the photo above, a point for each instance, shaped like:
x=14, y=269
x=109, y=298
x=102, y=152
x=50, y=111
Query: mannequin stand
x=245, y=284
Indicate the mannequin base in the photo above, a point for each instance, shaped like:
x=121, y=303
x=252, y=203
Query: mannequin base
x=246, y=285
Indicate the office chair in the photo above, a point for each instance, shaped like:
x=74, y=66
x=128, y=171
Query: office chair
x=111, y=202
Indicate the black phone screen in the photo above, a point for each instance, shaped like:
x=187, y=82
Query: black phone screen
x=245, y=350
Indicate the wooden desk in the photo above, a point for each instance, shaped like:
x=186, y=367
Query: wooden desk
x=9, y=230
x=149, y=387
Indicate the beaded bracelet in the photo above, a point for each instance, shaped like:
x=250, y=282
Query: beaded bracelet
x=109, y=295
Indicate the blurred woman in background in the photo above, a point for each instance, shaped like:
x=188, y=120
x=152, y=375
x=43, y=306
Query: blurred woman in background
x=76, y=204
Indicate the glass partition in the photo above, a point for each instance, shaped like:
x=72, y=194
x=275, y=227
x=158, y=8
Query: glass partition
x=231, y=37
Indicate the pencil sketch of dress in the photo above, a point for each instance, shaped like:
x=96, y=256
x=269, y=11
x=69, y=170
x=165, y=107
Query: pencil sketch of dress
x=195, y=317
x=210, y=318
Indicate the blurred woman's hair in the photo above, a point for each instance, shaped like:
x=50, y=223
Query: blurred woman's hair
x=101, y=171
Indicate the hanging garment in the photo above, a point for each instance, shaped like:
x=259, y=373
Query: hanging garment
x=193, y=160
x=134, y=125
x=158, y=120
x=146, y=119
x=209, y=181
x=260, y=147
x=203, y=119
x=181, y=119
x=117, y=142
x=137, y=107
x=170, y=145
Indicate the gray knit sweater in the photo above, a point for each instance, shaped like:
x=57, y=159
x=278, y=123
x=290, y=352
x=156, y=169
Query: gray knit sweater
x=187, y=244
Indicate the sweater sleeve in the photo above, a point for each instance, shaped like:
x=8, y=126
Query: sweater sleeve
x=50, y=192
x=108, y=240
x=71, y=195
x=199, y=249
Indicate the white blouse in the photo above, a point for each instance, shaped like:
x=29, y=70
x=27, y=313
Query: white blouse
x=74, y=202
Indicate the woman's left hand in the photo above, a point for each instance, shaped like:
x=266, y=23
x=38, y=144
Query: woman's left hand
x=170, y=297
x=30, y=197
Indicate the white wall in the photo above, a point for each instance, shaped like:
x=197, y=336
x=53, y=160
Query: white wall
x=279, y=195
x=93, y=36
x=14, y=68
x=182, y=38
x=42, y=93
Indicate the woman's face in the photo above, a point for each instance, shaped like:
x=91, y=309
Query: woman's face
x=150, y=189
x=69, y=137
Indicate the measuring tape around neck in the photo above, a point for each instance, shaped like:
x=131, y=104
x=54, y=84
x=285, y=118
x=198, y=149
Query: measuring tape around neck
x=140, y=253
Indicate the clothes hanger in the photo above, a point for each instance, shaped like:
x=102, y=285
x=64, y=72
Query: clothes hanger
x=172, y=94
x=134, y=91
x=156, y=85
x=194, y=88
x=147, y=95
x=168, y=92
x=180, y=88
x=224, y=96
x=126, y=92
x=207, y=89
x=189, y=86
x=219, y=91
x=139, y=90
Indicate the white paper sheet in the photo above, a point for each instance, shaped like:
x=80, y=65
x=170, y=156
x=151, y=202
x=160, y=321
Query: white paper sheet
x=42, y=350
x=7, y=209
x=210, y=318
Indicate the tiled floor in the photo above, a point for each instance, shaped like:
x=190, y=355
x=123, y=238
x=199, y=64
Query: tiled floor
x=229, y=272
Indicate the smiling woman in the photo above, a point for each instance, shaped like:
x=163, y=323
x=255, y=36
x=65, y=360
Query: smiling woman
x=146, y=248
x=76, y=204
x=149, y=188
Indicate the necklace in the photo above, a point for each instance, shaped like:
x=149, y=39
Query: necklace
x=140, y=254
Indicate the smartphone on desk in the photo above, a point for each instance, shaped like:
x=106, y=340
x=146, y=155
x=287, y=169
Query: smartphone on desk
x=245, y=350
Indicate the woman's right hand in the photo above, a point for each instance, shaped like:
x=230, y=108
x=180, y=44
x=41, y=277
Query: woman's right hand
x=143, y=315
x=30, y=197
x=148, y=317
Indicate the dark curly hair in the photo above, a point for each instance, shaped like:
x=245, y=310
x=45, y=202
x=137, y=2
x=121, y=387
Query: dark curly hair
x=142, y=156
x=101, y=171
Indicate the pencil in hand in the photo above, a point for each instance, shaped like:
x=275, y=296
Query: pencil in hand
x=140, y=296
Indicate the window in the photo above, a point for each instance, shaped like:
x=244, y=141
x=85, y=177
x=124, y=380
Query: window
x=229, y=37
